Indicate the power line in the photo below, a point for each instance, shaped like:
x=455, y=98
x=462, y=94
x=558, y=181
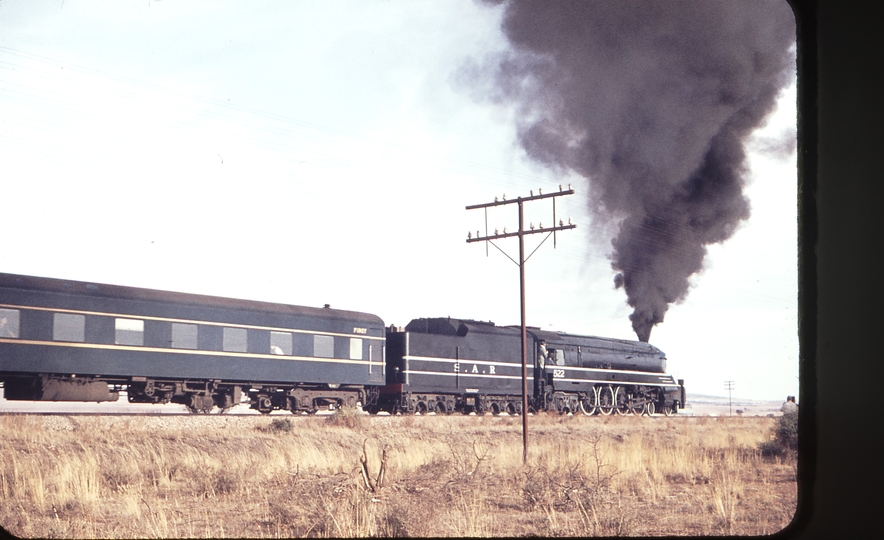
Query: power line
x=730, y=386
x=521, y=233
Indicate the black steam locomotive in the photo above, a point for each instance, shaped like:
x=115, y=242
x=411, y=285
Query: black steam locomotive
x=72, y=341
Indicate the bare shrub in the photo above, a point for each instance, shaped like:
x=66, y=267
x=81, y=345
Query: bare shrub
x=348, y=417
x=784, y=437
x=280, y=425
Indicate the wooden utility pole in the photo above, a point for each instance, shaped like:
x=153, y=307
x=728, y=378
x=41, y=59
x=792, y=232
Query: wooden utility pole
x=521, y=233
x=729, y=386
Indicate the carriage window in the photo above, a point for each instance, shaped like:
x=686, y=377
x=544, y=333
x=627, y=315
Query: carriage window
x=324, y=346
x=235, y=340
x=68, y=327
x=129, y=332
x=9, y=323
x=355, y=349
x=281, y=343
x=184, y=336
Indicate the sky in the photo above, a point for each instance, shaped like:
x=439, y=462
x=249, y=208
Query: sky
x=317, y=153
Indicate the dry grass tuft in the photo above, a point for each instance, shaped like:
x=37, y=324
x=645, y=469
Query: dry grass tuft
x=355, y=475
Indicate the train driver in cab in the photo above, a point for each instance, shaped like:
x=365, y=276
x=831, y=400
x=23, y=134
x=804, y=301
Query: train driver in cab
x=542, y=354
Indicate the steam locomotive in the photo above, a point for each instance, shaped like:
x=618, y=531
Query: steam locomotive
x=66, y=340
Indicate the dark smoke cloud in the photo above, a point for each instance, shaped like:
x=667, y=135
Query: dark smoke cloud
x=652, y=102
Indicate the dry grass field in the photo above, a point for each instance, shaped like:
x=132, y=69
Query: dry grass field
x=354, y=475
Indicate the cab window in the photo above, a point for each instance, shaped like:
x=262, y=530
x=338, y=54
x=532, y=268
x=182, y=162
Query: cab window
x=558, y=358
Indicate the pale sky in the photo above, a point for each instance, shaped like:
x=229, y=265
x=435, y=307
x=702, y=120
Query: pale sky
x=324, y=152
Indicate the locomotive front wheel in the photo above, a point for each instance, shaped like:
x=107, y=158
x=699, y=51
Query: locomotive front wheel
x=667, y=410
x=651, y=408
x=606, y=400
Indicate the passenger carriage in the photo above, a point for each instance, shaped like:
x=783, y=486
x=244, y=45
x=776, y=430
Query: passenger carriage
x=73, y=341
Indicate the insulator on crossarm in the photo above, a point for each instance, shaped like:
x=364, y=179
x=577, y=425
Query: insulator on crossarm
x=469, y=235
x=560, y=223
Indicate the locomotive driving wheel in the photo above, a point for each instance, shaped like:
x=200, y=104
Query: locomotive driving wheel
x=589, y=404
x=606, y=400
x=621, y=401
x=637, y=409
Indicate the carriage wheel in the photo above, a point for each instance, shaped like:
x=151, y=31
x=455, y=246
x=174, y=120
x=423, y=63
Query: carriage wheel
x=440, y=408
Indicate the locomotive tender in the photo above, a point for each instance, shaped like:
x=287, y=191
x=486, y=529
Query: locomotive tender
x=65, y=340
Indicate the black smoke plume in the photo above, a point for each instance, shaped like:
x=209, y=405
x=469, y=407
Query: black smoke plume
x=651, y=102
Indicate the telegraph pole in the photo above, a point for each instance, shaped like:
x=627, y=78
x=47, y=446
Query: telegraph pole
x=521, y=233
x=730, y=386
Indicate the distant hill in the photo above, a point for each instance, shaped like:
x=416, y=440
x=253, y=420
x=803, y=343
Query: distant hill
x=706, y=405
